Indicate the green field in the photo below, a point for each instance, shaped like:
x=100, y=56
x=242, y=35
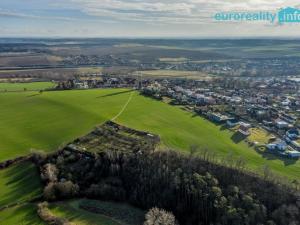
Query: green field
x=20, y=215
x=71, y=211
x=19, y=184
x=174, y=74
x=45, y=121
x=36, y=86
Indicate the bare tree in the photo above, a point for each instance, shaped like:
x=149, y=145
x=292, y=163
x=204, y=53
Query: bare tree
x=156, y=216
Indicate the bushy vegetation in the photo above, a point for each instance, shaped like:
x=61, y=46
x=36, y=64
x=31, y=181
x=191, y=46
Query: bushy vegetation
x=195, y=190
x=46, y=215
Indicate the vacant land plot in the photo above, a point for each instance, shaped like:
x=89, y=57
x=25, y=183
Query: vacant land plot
x=104, y=213
x=19, y=184
x=174, y=73
x=35, y=86
x=45, y=121
x=49, y=73
x=173, y=60
x=259, y=135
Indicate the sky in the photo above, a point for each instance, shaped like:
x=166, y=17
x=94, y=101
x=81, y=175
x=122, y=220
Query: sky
x=136, y=18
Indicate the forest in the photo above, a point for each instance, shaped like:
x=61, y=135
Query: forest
x=194, y=190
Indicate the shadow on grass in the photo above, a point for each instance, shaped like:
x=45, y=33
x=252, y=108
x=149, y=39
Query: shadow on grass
x=33, y=95
x=115, y=93
x=238, y=137
x=24, y=214
x=31, y=217
x=272, y=156
x=223, y=127
x=22, y=184
x=74, y=214
x=195, y=115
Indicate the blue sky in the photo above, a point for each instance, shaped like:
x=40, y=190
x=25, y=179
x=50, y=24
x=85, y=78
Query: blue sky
x=135, y=18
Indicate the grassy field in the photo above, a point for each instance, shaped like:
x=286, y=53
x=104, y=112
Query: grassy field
x=173, y=60
x=19, y=184
x=45, y=121
x=20, y=215
x=36, y=86
x=71, y=211
x=174, y=73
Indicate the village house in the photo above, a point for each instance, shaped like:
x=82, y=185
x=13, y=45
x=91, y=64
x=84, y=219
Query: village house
x=278, y=145
x=244, y=128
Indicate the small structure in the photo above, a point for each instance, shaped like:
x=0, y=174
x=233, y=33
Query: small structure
x=293, y=134
x=293, y=138
x=293, y=154
x=280, y=124
x=296, y=144
x=244, y=128
x=232, y=122
x=278, y=145
x=81, y=85
x=217, y=117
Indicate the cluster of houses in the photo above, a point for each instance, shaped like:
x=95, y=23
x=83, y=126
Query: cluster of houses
x=97, y=82
x=272, y=105
x=289, y=146
x=263, y=104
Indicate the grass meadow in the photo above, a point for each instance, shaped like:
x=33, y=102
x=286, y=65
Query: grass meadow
x=112, y=213
x=35, y=86
x=19, y=184
x=30, y=120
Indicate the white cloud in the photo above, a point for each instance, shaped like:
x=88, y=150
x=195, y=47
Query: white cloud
x=142, y=17
x=172, y=11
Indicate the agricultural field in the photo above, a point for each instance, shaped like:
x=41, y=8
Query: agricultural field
x=48, y=73
x=174, y=73
x=20, y=215
x=108, y=213
x=173, y=60
x=35, y=86
x=30, y=120
x=19, y=184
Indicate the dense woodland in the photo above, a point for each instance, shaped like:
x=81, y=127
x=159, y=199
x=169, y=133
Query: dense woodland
x=194, y=190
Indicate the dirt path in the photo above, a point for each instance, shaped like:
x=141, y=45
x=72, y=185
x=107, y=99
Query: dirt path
x=124, y=107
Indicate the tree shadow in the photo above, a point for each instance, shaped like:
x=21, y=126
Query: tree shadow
x=273, y=156
x=115, y=93
x=33, y=95
x=22, y=184
x=195, y=115
x=238, y=137
x=28, y=214
x=223, y=127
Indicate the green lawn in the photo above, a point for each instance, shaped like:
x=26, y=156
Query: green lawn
x=20, y=215
x=71, y=211
x=45, y=121
x=18, y=184
x=35, y=86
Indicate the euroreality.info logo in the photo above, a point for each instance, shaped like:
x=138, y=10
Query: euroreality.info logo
x=286, y=15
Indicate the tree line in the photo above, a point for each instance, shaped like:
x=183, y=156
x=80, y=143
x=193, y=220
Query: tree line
x=196, y=191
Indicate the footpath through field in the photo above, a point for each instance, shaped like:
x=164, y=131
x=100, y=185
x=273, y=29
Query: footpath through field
x=124, y=107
